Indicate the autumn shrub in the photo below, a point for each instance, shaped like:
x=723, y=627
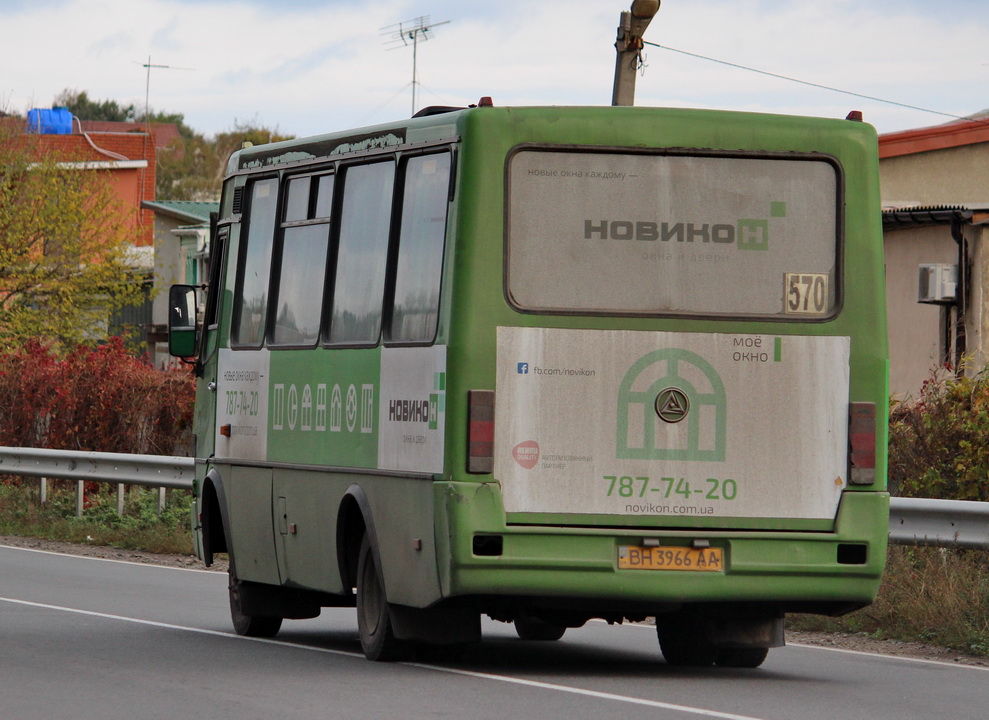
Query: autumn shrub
x=939, y=441
x=98, y=399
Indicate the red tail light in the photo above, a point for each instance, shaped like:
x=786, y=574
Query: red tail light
x=862, y=443
x=480, y=431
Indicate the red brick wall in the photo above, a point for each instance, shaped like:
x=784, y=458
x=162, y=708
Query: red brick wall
x=133, y=186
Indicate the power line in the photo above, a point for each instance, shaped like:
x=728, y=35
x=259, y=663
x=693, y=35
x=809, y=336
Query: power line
x=810, y=84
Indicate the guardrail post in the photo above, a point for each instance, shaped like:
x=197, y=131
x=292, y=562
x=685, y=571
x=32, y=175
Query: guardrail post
x=120, y=499
x=43, y=491
x=161, y=500
x=80, y=497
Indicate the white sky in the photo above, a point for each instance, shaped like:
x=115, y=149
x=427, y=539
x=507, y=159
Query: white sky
x=310, y=66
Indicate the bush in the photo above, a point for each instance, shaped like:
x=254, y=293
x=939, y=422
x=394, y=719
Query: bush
x=101, y=399
x=939, y=443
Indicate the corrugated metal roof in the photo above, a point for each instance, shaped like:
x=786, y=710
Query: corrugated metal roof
x=930, y=215
x=187, y=210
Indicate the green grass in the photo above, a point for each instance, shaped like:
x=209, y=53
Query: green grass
x=140, y=528
x=939, y=596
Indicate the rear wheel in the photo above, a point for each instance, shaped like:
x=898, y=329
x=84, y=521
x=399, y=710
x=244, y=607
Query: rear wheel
x=683, y=643
x=741, y=657
x=249, y=625
x=532, y=628
x=373, y=620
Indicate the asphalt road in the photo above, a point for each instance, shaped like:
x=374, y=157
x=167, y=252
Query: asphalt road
x=89, y=639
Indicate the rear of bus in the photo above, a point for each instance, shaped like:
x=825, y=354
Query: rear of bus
x=668, y=341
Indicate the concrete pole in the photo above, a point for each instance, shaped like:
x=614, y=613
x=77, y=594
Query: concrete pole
x=631, y=27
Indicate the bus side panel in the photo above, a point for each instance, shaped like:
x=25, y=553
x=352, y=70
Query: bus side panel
x=248, y=491
x=401, y=511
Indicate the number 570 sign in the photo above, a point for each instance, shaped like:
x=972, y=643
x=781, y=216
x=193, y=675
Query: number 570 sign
x=806, y=293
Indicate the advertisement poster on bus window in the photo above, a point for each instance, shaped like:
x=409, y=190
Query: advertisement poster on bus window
x=671, y=424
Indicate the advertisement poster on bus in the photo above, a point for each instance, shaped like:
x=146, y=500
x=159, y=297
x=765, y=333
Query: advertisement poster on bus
x=671, y=424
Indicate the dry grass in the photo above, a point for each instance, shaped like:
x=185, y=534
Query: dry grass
x=935, y=595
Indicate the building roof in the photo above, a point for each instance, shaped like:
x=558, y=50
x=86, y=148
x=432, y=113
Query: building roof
x=969, y=131
x=925, y=215
x=185, y=210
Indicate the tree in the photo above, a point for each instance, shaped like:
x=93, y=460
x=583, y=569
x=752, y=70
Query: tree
x=79, y=104
x=63, y=246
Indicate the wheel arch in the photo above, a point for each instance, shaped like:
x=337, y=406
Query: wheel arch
x=354, y=520
x=214, y=518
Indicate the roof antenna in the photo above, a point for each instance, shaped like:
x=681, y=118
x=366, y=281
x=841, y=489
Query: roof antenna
x=408, y=33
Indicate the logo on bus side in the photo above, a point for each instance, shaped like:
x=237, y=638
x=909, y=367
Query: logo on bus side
x=421, y=410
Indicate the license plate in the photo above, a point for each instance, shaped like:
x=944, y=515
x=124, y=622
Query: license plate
x=670, y=558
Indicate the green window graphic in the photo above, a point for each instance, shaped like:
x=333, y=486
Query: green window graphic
x=696, y=431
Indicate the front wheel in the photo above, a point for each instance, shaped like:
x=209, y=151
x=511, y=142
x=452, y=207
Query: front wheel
x=249, y=625
x=378, y=641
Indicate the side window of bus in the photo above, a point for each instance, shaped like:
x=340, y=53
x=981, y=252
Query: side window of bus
x=302, y=270
x=365, y=220
x=420, y=250
x=251, y=294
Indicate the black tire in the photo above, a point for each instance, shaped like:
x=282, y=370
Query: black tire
x=249, y=625
x=741, y=657
x=683, y=644
x=378, y=641
x=532, y=628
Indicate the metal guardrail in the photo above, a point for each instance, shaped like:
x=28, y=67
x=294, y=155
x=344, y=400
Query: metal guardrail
x=122, y=468
x=944, y=523
x=147, y=470
x=912, y=521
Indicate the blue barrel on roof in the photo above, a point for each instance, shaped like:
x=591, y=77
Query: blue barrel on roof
x=54, y=121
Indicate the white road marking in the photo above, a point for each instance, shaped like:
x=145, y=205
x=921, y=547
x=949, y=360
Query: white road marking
x=435, y=668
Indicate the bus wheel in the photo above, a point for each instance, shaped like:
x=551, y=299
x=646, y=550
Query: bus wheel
x=532, y=628
x=684, y=644
x=249, y=625
x=373, y=621
x=741, y=657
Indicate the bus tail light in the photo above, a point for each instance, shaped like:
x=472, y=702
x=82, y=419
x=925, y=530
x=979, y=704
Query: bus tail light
x=862, y=443
x=480, y=431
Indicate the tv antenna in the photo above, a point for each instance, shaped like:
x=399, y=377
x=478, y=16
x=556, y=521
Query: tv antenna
x=408, y=33
x=147, y=84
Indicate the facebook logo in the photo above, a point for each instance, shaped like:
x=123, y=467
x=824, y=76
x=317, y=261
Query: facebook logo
x=523, y=368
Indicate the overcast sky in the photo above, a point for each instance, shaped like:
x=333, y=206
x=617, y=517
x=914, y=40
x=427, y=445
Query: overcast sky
x=310, y=66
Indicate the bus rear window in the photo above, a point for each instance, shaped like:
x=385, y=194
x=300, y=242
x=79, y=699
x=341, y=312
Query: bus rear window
x=673, y=234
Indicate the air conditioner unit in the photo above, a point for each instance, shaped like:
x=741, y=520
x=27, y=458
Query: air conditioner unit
x=938, y=283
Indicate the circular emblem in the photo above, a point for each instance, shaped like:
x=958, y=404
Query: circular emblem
x=351, y=408
x=672, y=405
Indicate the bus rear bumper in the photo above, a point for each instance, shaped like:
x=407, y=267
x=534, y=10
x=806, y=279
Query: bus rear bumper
x=828, y=572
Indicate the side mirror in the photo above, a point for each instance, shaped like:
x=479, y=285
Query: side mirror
x=182, y=321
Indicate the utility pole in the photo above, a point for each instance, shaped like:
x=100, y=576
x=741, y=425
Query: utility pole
x=632, y=26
